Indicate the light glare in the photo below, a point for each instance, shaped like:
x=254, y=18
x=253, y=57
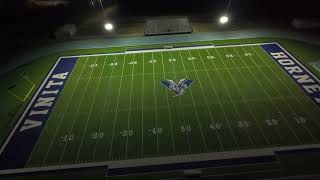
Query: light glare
x=224, y=19
x=108, y=26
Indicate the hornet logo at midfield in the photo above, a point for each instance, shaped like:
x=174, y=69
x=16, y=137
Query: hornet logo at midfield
x=178, y=88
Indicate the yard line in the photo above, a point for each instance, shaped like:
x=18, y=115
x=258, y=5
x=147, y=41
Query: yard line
x=90, y=111
x=205, y=145
x=75, y=117
x=216, y=94
x=206, y=101
x=219, y=101
x=264, y=91
x=282, y=116
x=155, y=103
x=116, y=115
x=284, y=99
x=60, y=122
x=245, y=101
x=169, y=110
x=129, y=114
x=237, y=110
x=142, y=96
x=104, y=107
x=180, y=102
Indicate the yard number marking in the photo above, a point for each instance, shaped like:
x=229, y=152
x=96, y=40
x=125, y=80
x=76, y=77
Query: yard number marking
x=67, y=137
x=126, y=133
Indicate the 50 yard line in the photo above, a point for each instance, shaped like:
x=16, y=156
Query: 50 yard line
x=206, y=101
x=172, y=139
x=142, y=134
x=197, y=115
x=155, y=103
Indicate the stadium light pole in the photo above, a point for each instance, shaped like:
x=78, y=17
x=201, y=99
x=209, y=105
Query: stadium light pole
x=101, y=5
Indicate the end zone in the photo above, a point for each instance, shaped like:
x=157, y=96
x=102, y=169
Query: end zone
x=18, y=146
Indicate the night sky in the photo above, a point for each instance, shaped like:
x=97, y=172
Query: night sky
x=22, y=24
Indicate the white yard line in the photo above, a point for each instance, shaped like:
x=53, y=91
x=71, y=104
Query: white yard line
x=76, y=115
x=219, y=101
x=61, y=119
x=245, y=101
x=235, y=107
x=197, y=115
x=198, y=70
x=110, y=54
x=104, y=107
x=206, y=101
x=130, y=103
x=142, y=112
x=182, y=113
x=169, y=110
x=90, y=111
x=278, y=133
x=284, y=99
x=116, y=116
x=273, y=104
x=174, y=49
x=155, y=104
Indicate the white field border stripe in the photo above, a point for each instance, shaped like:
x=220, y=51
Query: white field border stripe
x=156, y=50
x=173, y=49
x=27, y=108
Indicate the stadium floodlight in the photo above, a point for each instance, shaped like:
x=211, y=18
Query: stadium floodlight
x=108, y=26
x=223, y=19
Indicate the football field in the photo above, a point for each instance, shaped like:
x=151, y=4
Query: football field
x=113, y=106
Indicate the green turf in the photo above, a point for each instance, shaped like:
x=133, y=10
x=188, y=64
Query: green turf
x=240, y=99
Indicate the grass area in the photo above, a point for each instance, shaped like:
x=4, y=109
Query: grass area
x=114, y=107
x=240, y=102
